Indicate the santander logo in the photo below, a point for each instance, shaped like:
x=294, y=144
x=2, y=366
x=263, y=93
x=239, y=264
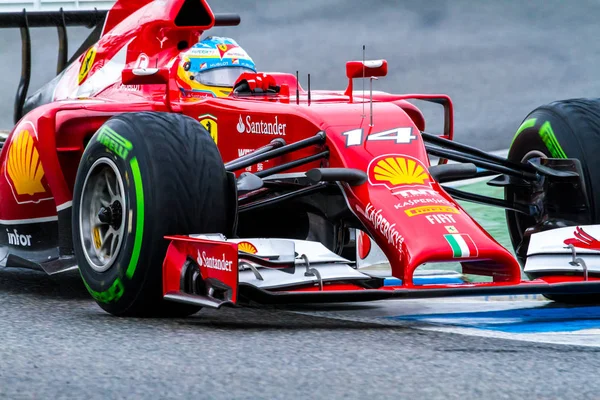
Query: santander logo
x=240, y=125
x=260, y=127
x=221, y=264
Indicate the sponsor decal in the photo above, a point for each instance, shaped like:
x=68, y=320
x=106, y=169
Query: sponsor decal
x=462, y=245
x=162, y=41
x=131, y=88
x=196, y=94
x=241, y=128
x=33, y=234
x=18, y=240
x=24, y=166
x=235, y=61
x=381, y=224
x=411, y=212
x=260, y=127
x=416, y=192
x=451, y=229
x=394, y=170
x=86, y=64
x=247, y=247
x=202, y=52
x=243, y=152
x=414, y=202
x=203, y=65
x=221, y=264
x=114, y=142
x=583, y=240
x=224, y=48
x=549, y=139
x=209, y=122
x=441, y=219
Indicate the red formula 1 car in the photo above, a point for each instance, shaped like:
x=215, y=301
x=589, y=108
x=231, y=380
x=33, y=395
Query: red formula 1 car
x=273, y=193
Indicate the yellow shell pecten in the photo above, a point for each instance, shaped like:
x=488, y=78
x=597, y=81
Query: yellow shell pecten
x=400, y=170
x=24, y=166
x=247, y=247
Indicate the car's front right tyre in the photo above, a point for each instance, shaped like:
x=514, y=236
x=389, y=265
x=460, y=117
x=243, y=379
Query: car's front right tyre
x=562, y=129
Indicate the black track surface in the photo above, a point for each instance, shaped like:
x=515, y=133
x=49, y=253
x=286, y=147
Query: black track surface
x=56, y=343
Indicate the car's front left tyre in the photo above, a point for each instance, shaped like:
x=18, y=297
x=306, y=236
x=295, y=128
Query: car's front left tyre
x=143, y=176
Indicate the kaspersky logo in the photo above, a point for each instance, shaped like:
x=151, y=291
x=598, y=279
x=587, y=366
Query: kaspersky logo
x=392, y=171
x=24, y=168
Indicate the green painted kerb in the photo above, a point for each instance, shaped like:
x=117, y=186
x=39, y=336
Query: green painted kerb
x=547, y=135
x=139, y=226
x=114, y=142
x=526, y=124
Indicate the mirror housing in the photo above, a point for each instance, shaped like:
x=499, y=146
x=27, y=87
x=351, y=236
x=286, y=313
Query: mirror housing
x=366, y=69
x=145, y=76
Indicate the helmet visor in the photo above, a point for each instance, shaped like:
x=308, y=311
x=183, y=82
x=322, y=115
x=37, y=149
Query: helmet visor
x=225, y=76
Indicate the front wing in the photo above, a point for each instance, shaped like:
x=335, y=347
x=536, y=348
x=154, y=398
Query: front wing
x=208, y=270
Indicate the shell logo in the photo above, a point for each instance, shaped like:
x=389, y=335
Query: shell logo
x=247, y=247
x=394, y=170
x=24, y=166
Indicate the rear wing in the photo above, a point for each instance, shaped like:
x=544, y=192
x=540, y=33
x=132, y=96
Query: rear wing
x=93, y=19
x=59, y=19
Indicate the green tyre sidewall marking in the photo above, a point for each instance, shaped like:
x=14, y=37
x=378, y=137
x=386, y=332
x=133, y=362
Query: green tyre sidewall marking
x=528, y=123
x=549, y=138
x=121, y=279
x=546, y=134
x=139, y=224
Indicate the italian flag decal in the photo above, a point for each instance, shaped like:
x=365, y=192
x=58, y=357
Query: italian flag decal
x=462, y=245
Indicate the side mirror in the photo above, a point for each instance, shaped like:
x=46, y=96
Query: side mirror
x=366, y=69
x=145, y=76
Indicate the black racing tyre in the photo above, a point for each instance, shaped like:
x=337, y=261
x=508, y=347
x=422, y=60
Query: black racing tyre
x=143, y=176
x=562, y=129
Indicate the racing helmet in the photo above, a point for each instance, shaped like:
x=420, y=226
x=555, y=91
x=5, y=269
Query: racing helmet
x=211, y=67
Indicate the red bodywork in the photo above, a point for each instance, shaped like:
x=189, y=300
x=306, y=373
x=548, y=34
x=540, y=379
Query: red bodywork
x=401, y=206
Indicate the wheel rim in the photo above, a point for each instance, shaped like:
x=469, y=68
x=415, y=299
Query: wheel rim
x=102, y=214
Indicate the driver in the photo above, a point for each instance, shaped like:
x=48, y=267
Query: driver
x=211, y=67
